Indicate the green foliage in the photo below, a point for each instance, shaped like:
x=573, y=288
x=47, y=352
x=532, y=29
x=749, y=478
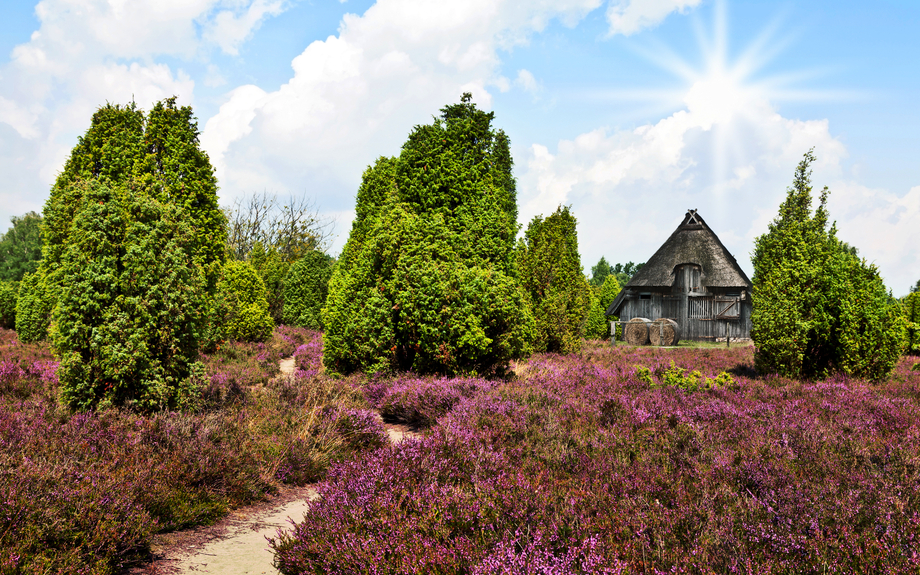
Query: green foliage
x=7, y=305
x=273, y=269
x=181, y=174
x=21, y=247
x=622, y=272
x=678, y=377
x=306, y=288
x=244, y=292
x=33, y=307
x=644, y=374
x=125, y=326
x=426, y=279
x=911, y=305
x=609, y=292
x=816, y=306
x=598, y=326
x=551, y=275
x=158, y=154
x=600, y=272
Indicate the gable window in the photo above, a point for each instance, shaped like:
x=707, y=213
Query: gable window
x=687, y=279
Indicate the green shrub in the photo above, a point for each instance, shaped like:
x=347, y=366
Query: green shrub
x=157, y=152
x=551, y=275
x=911, y=304
x=21, y=247
x=305, y=290
x=7, y=305
x=273, y=270
x=244, y=293
x=33, y=308
x=426, y=281
x=598, y=326
x=126, y=322
x=817, y=307
x=675, y=376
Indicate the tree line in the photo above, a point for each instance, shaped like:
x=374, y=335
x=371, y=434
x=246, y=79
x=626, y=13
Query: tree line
x=132, y=268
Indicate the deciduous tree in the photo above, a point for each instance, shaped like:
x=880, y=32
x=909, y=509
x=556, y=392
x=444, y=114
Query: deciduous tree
x=21, y=247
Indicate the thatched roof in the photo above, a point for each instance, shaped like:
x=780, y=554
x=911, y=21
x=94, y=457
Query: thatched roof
x=691, y=243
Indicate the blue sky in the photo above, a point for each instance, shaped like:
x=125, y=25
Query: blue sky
x=630, y=111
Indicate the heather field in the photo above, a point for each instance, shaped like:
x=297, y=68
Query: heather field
x=83, y=493
x=613, y=460
x=622, y=460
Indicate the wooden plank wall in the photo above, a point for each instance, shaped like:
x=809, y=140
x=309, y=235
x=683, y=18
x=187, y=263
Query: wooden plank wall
x=659, y=306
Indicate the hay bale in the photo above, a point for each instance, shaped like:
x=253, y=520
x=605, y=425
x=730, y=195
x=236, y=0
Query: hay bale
x=635, y=332
x=664, y=332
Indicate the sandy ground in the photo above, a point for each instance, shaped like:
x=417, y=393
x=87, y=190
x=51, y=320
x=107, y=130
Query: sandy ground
x=238, y=544
x=287, y=366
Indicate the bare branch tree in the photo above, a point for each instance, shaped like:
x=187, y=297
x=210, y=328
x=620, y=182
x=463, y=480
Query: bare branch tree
x=292, y=229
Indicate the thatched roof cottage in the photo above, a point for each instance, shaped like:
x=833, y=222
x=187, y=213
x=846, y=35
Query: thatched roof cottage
x=694, y=280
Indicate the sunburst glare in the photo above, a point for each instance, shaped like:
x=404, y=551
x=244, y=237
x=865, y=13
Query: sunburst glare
x=724, y=91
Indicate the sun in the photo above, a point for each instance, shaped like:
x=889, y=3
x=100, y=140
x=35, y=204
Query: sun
x=723, y=91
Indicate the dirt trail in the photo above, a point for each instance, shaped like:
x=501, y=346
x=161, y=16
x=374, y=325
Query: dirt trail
x=237, y=544
x=287, y=366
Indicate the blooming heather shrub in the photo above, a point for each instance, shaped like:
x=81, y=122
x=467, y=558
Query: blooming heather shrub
x=359, y=428
x=292, y=336
x=309, y=355
x=236, y=367
x=581, y=467
x=83, y=493
x=421, y=401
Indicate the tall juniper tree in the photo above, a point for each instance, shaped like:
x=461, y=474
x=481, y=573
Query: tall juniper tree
x=426, y=281
x=818, y=307
x=156, y=155
x=552, y=277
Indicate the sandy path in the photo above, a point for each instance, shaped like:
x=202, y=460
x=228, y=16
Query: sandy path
x=244, y=549
x=287, y=366
x=237, y=545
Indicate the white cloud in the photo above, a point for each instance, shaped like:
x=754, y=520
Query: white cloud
x=355, y=95
x=19, y=118
x=884, y=228
x=525, y=79
x=229, y=28
x=630, y=16
x=630, y=188
x=89, y=52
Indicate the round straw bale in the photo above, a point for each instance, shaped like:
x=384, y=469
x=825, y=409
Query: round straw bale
x=635, y=332
x=664, y=332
